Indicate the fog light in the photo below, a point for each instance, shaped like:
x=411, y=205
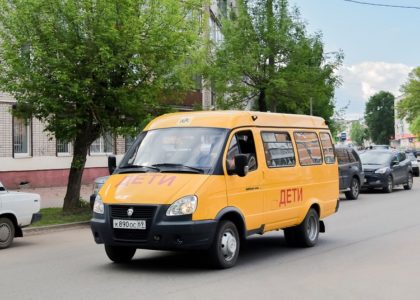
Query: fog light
x=156, y=238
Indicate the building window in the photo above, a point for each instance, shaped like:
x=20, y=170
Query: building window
x=129, y=140
x=308, y=148
x=278, y=149
x=63, y=148
x=21, y=137
x=103, y=145
x=222, y=5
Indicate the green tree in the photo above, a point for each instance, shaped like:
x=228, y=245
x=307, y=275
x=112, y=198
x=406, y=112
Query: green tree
x=87, y=67
x=357, y=133
x=267, y=55
x=409, y=106
x=379, y=117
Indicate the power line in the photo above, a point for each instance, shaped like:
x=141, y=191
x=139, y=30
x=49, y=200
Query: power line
x=383, y=5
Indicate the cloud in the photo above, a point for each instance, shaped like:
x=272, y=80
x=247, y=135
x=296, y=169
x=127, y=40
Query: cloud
x=363, y=80
x=372, y=77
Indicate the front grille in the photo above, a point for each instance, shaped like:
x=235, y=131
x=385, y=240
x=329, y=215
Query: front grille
x=139, y=213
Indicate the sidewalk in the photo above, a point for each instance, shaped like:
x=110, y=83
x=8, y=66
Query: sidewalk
x=54, y=196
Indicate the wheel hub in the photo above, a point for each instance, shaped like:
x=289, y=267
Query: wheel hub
x=4, y=232
x=228, y=245
x=312, y=228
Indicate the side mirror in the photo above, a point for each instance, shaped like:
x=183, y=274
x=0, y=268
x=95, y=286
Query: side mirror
x=112, y=164
x=241, y=165
x=394, y=162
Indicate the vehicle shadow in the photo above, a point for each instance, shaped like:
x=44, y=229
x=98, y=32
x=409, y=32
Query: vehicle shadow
x=379, y=191
x=258, y=249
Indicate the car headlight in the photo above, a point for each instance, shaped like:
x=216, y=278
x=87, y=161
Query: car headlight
x=381, y=171
x=96, y=187
x=98, y=206
x=184, y=206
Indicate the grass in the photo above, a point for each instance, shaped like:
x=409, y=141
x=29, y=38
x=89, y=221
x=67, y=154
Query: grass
x=56, y=216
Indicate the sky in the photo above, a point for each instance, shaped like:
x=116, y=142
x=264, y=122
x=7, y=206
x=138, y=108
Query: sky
x=381, y=45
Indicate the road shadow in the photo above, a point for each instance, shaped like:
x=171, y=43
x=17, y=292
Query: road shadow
x=256, y=249
x=379, y=191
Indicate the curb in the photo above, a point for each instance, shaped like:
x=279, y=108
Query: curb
x=51, y=228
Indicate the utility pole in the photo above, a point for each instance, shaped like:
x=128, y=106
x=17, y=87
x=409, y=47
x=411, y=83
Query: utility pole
x=310, y=107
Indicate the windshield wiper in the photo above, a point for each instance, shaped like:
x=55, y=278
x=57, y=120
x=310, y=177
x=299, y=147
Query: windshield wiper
x=176, y=166
x=137, y=167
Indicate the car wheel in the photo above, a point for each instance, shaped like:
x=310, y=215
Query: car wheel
x=225, y=248
x=120, y=254
x=389, y=184
x=354, y=189
x=7, y=232
x=409, y=183
x=306, y=233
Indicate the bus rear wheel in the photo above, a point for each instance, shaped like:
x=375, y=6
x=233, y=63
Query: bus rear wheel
x=306, y=233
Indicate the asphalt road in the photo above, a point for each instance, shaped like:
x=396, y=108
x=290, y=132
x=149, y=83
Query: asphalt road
x=371, y=250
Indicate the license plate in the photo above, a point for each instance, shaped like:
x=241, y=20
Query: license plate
x=129, y=224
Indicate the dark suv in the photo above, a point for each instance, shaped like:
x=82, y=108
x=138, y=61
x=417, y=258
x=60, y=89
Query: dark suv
x=350, y=171
x=385, y=169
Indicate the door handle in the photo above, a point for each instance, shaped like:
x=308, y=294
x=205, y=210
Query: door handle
x=252, y=188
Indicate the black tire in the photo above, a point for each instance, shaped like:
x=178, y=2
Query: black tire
x=409, y=184
x=224, y=250
x=7, y=232
x=389, y=185
x=354, y=189
x=306, y=233
x=120, y=254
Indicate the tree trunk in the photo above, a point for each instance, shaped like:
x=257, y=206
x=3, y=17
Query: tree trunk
x=81, y=146
x=262, y=105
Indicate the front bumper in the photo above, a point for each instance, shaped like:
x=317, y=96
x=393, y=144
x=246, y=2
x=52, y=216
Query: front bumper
x=374, y=180
x=161, y=233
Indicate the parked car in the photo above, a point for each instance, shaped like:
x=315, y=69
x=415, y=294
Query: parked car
x=386, y=169
x=98, y=183
x=380, y=147
x=414, y=163
x=350, y=172
x=17, y=210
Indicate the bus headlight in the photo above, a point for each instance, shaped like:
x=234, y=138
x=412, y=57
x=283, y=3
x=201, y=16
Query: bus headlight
x=184, y=206
x=98, y=206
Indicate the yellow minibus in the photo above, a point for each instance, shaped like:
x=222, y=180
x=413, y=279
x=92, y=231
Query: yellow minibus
x=208, y=180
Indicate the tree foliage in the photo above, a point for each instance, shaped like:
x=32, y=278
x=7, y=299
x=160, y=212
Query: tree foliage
x=379, y=117
x=267, y=55
x=409, y=106
x=357, y=133
x=86, y=67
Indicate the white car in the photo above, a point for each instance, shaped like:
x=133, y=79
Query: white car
x=17, y=210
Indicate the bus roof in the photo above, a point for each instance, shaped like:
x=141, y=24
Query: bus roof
x=234, y=119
